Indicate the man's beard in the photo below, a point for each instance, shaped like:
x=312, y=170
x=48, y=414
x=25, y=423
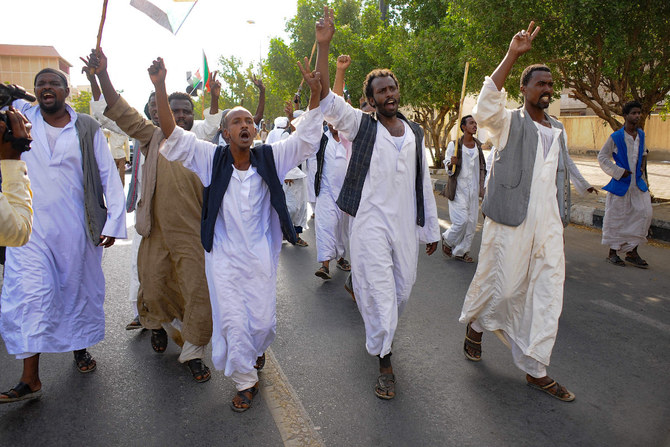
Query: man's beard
x=55, y=107
x=543, y=105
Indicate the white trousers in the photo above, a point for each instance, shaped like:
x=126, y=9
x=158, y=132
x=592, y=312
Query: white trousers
x=244, y=380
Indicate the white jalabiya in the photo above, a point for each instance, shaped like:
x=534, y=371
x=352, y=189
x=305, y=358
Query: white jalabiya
x=518, y=285
x=241, y=269
x=385, y=238
x=54, y=287
x=464, y=209
x=331, y=224
x=627, y=218
x=309, y=168
x=296, y=196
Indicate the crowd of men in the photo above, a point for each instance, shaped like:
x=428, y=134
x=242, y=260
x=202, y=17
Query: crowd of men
x=212, y=210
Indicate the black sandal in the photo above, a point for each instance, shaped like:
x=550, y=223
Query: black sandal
x=385, y=386
x=85, y=363
x=159, y=340
x=20, y=392
x=475, y=346
x=260, y=363
x=637, y=261
x=323, y=273
x=245, y=400
x=199, y=370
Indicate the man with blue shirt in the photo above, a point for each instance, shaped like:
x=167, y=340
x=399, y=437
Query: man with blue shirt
x=628, y=206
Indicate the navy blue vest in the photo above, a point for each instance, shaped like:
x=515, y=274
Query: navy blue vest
x=320, y=157
x=620, y=187
x=222, y=169
x=359, y=164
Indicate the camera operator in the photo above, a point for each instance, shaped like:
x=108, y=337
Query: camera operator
x=16, y=214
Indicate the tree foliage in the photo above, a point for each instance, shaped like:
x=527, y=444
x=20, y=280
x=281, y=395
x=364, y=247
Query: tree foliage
x=607, y=52
x=81, y=102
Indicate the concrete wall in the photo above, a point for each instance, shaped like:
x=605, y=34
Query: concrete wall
x=587, y=134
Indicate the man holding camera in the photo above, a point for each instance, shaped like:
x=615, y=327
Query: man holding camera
x=54, y=288
x=16, y=213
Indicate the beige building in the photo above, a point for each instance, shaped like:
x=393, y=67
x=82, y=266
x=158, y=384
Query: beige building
x=20, y=63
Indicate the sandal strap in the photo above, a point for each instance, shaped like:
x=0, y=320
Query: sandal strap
x=469, y=340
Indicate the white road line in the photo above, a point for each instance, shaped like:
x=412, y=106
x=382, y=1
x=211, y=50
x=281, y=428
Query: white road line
x=294, y=424
x=634, y=315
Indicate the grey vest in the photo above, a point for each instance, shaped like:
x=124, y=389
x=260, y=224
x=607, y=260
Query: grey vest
x=508, y=190
x=94, y=201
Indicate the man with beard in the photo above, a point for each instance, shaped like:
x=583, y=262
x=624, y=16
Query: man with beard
x=171, y=267
x=54, y=287
x=388, y=193
x=244, y=218
x=628, y=207
x=517, y=290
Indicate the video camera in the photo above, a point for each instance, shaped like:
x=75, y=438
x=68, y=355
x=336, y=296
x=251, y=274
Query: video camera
x=8, y=93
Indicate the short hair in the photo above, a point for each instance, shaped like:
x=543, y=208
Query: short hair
x=179, y=96
x=58, y=73
x=146, y=106
x=630, y=105
x=377, y=73
x=464, y=120
x=529, y=70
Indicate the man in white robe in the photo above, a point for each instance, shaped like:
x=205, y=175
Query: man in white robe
x=54, y=287
x=628, y=209
x=331, y=223
x=517, y=290
x=467, y=170
x=241, y=262
x=390, y=218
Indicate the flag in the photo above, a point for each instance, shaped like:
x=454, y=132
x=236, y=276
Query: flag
x=169, y=14
x=206, y=71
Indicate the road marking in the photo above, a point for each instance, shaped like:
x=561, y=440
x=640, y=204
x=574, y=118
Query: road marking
x=294, y=424
x=634, y=315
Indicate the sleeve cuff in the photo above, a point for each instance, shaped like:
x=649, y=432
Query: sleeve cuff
x=327, y=101
x=13, y=170
x=116, y=111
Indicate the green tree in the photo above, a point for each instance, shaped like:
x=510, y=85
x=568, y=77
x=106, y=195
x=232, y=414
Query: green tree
x=606, y=52
x=81, y=102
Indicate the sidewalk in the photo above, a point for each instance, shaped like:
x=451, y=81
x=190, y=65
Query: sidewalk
x=589, y=209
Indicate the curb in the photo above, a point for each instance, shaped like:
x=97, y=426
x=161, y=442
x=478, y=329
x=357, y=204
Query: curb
x=590, y=216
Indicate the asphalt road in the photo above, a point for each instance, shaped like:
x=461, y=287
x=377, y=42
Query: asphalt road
x=612, y=351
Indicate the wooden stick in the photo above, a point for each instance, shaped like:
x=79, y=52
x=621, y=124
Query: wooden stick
x=460, y=112
x=310, y=66
x=102, y=24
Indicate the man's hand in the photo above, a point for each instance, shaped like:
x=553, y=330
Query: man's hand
x=215, y=87
x=96, y=61
x=157, y=72
x=430, y=248
x=592, y=190
x=626, y=173
x=258, y=82
x=106, y=241
x=325, y=26
x=453, y=161
x=288, y=182
x=20, y=131
x=313, y=80
x=522, y=41
x=343, y=61
x=288, y=110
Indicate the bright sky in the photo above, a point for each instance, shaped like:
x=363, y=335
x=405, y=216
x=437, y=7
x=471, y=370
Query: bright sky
x=131, y=40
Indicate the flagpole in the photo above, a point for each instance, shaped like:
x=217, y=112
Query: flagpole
x=460, y=112
x=102, y=24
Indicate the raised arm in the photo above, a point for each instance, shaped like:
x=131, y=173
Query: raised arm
x=324, y=30
x=98, y=62
x=214, y=93
x=343, y=62
x=520, y=44
x=157, y=73
x=260, y=110
x=95, y=88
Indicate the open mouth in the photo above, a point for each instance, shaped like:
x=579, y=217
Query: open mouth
x=245, y=135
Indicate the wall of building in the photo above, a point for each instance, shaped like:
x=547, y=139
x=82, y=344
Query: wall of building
x=21, y=70
x=587, y=134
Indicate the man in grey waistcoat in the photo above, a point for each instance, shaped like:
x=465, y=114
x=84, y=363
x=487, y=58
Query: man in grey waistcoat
x=517, y=291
